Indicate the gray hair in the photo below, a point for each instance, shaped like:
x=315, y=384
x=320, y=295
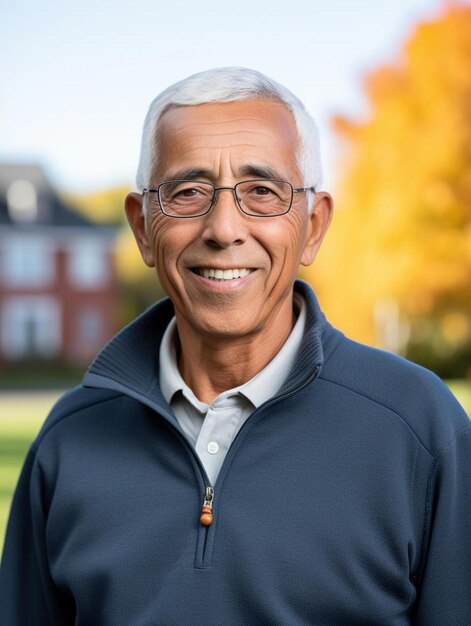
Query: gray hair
x=231, y=84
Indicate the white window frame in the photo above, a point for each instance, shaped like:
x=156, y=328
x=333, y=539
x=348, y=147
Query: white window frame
x=87, y=263
x=27, y=261
x=42, y=313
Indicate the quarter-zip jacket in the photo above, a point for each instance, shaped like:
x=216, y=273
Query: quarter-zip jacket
x=344, y=500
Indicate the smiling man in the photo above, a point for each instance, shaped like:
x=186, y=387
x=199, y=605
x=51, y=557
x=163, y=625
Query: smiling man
x=230, y=263
x=230, y=457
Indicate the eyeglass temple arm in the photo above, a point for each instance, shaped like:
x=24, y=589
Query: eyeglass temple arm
x=301, y=189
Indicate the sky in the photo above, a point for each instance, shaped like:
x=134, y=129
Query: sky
x=76, y=78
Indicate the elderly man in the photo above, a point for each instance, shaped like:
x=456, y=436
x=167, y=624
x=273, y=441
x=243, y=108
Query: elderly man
x=232, y=459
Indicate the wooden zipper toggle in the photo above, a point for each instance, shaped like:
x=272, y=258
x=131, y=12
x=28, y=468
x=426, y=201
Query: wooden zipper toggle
x=206, y=517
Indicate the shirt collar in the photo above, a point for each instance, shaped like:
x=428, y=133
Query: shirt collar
x=129, y=363
x=171, y=380
x=258, y=389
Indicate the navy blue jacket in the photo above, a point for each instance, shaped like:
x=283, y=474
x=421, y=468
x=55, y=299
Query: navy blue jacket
x=344, y=500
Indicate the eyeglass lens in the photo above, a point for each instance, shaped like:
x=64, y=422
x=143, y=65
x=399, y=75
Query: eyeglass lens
x=255, y=197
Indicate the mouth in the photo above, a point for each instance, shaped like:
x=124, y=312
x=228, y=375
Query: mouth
x=221, y=275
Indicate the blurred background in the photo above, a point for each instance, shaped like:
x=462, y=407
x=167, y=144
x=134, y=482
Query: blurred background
x=390, y=87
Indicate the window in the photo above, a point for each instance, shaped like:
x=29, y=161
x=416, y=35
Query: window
x=28, y=261
x=30, y=327
x=88, y=264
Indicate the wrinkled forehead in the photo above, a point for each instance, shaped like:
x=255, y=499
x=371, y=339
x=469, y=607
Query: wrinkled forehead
x=218, y=118
x=263, y=130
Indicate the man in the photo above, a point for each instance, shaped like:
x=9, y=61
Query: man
x=230, y=457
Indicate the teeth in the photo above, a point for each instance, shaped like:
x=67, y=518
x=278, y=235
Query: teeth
x=216, y=274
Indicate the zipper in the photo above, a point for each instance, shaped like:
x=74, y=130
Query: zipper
x=204, y=544
x=202, y=560
x=206, y=517
x=206, y=536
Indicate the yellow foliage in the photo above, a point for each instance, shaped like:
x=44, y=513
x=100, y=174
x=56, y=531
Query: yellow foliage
x=402, y=228
x=104, y=206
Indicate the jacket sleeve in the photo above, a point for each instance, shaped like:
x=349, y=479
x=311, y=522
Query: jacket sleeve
x=27, y=592
x=444, y=594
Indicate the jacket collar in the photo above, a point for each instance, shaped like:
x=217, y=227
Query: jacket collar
x=129, y=362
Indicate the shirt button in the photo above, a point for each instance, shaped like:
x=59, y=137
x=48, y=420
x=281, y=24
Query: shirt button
x=212, y=447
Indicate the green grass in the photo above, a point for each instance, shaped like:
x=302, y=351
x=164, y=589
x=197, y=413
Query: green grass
x=23, y=413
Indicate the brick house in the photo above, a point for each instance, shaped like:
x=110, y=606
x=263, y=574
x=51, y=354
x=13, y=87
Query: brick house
x=58, y=289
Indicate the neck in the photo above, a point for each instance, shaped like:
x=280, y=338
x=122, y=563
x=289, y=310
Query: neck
x=211, y=364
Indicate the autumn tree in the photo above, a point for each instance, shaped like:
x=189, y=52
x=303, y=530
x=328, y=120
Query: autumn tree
x=396, y=267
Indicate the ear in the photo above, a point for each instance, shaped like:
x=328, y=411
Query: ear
x=319, y=222
x=133, y=205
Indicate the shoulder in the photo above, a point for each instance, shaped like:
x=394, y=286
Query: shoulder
x=75, y=405
x=409, y=392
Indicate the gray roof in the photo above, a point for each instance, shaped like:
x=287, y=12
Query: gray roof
x=48, y=210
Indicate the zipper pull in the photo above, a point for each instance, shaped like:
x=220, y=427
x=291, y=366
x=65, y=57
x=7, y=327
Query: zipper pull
x=206, y=517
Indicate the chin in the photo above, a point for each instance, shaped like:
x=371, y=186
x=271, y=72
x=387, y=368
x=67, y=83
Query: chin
x=225, y=325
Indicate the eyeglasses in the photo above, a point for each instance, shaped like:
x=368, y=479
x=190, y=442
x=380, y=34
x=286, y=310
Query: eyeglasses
x=191, y=198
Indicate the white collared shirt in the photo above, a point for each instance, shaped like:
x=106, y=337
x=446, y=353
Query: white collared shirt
x=211, y=428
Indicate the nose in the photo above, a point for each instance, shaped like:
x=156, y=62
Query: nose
x=225, y=224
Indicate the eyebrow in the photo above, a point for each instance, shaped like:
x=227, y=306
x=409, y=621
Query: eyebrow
x=190, y=174
x=254, y=170
x=259, y=171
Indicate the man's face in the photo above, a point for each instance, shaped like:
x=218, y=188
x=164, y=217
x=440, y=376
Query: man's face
x=224, y=144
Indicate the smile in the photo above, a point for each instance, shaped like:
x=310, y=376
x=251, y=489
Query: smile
x=217, y=274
